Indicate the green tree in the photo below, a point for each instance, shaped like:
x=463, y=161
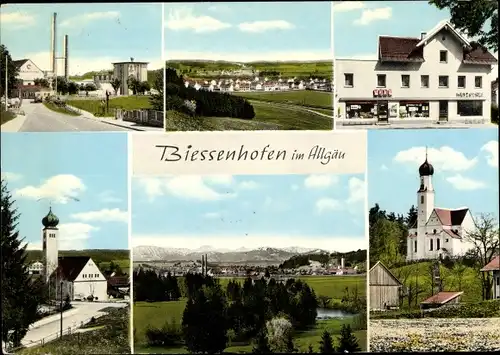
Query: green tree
x=326, y=343
x=12, y=70
x=478, y=18
x=115, y=83
x=133, y=84
x=21, y=296
x=261, y=345
x=347, y=340
x=156, y=100
x=42, y=82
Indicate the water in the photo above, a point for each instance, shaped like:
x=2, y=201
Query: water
x=325, y=313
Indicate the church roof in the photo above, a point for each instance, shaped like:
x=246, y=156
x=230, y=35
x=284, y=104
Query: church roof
x=492, y=265
x=451, y=217
x=69, y=267
x=452, y=234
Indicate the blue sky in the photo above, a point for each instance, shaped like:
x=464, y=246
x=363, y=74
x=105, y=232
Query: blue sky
x=248, y=31
x=465, y=168
x=89, y=166
x=98, y=33
x=232, y=212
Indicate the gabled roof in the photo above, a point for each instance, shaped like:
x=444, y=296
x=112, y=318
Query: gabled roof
x=451, y=217
x=399, y=49
x=387, y=270
x=70, y=266
x=440, y=26
x=452, y=234
x=442, y=297
x=492, y=265
x=19, y=63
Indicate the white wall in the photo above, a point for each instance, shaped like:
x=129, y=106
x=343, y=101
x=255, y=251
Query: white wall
x=91, y=281
x=50, y=237
x=28, y=75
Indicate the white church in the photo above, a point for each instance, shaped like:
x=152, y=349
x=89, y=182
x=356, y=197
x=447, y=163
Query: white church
x=439, y=231
x=79, y=276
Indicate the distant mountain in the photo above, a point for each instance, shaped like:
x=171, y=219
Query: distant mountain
x=152, y=253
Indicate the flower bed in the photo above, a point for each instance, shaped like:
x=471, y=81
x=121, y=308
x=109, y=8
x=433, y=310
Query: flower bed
x=435, y=334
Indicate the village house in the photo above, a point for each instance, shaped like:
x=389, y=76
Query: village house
x=438, y=77
x=385, y=288
x=35, y=268
x=493, y=267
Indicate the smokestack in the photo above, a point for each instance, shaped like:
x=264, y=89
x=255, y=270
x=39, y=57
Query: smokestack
x=202, y=264
x=206, y=264
x=53, y=48
x=342, y=263
x=65, y=55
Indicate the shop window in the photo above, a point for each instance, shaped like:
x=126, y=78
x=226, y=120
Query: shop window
x=443, y=56
x=461, y=82
x=443, y=81
x=424, y=81
x=381, y=79
x=413, y=109
x=478, y=82
x=349, y=80
x=405, y=81
x=470, y=108
x=361, y=109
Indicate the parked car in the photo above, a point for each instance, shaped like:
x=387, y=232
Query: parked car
x=37, y=99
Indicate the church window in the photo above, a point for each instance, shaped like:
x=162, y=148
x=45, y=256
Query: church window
x=446, y=240
x=415, y=246
x=431, y=245
x=434, y=231
x=422, y=199
x=498, y=281
x=438, y=244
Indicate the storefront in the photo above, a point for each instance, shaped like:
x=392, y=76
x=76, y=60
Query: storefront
x=413, y=109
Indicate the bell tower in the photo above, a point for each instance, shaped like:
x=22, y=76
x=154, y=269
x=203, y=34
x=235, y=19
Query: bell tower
x=425, y=195
x=50, y=234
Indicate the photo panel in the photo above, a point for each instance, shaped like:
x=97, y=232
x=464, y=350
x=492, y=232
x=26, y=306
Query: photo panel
x=397, y=69
x=65, y=243
x=250, y=261
x=248, y=66
x=434, y=243
x=82, y=67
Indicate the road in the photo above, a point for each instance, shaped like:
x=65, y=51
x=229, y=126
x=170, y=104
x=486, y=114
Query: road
x=40, y=119
x=47, y=329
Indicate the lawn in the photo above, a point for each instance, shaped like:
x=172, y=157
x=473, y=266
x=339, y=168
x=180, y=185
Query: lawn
x=155, y=314
x=65, y=111
x=124, y=102
x=6, y=116
x=317, y=99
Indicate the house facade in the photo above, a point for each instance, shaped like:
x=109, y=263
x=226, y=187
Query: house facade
x=437, y=77
x=493, y=267
x=124, y=70
x=28, y=71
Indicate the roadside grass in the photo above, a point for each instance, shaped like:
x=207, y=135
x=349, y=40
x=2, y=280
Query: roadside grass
x=125, y=102
x=6, y=116
x=307, y=98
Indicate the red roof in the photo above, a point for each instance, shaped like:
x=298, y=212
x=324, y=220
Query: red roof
x=478, y=55
x=442, y=297
x=452, y=234
x=492, y=265
x=451, y=217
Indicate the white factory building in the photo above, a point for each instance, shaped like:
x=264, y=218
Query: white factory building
x=437, y=77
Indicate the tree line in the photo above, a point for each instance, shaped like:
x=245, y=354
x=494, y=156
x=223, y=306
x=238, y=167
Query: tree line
x=350, y=258
x=207, y=103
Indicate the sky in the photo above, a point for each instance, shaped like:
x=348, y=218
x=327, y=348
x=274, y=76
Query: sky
x=465, y=168
x=248, y=31
x=233, y=212
x=99, y=34
x=52, y=169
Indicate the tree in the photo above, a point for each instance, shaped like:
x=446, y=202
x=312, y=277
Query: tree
x=279, y=332
x=89, y=87
x=21, y=296
x=42, y=82
x=144, y=86
x=478, y=19
x=133, y=84
x=115, y=83
x=347, y=340
x=326, y=343
x=156, y=100
x=261, y=345
x=12, y=70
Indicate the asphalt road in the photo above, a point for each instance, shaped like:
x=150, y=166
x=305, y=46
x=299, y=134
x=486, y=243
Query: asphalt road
x=40, y=119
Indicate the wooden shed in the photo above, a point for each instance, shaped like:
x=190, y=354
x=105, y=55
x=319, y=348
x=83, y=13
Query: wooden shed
x=385, y=288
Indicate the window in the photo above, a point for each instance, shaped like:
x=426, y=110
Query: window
x=478, y=82
x=434, y=231
x=405, y=81
x=443, y=56
x=438, y=244
x=422, y=199
x=446, y=240
x=360, y=109
x=424, y=81
x=431, y=245
x=498, y=281
x=443, y=81
x=470, y=108
x=349, y=80
x=413, y=109
x=84, y=276
x=461, y=82
x=96, y=275
x=381, y=80
x=415, y=246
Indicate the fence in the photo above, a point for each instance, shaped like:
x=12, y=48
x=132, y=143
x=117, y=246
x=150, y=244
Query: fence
x=143, y=117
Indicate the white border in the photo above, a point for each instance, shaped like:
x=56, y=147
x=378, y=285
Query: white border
x=332, y=46
x=131, y=266
x=367, y=234
x=163, y=65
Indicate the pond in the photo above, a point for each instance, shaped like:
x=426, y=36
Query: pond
x=325, y=313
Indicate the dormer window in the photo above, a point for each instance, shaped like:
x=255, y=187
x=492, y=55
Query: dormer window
x=443, y=56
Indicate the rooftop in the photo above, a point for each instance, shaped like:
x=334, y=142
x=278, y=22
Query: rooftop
x=442, y=297
x=492, y=265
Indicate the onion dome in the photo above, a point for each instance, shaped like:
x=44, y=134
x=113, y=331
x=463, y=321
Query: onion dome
x=426, y=169
x=50, y=220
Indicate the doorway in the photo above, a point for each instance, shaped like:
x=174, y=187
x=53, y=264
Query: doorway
x=383, y=111
x=443, y=111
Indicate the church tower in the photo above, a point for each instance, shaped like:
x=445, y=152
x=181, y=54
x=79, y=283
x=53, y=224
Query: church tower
x=49, y=241
x=425, y=195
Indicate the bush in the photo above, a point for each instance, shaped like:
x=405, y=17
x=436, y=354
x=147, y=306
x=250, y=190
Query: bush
x=494, y=113
x=169, y=335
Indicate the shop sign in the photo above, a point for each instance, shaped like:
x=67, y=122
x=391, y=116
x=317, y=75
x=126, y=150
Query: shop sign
x=382, y=93
x=469, y=95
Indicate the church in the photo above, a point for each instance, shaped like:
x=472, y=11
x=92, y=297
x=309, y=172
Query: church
x=76, y=276
x=439, y=232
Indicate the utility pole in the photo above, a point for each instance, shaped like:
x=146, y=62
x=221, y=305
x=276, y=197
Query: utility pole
x=61, y=306
x=6, y=80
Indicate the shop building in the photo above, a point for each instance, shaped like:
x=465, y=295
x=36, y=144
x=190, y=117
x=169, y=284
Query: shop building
x=437, y=77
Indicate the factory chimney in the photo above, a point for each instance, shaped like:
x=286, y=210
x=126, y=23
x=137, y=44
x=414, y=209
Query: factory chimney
x=342, y=263
x=206, y=264
x=65, y=56
x=53, y=48
x=202, y=264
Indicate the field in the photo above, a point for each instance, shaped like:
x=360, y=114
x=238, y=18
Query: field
x=308, y=98
x=147, y=314
x=125, y=102
x=435, y=335
x=53, y=107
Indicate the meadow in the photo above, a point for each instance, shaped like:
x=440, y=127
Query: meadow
x=307, y=98
x=60, y=109
x=123, y=102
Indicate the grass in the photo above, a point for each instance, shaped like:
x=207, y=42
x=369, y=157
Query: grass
x=65, y=111
x=125, y=102
x=6, y=116
x=308, y=98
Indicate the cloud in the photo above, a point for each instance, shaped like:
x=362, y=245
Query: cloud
x=74, y=236
x=295, y=187
x=212, y=215
x=219, y=8
x=248, y=185
x=109, y=197
x=237, y=241
x=254, y=56
x=443, y=159
x=327, y=204
x=224, y=180
x=11, y=177
x=190, y=187
x=491, y=150
x=104, y=215
x=16, y=20
x=346, y=6
x=384, y=167
x=370, y=15
x=460, y=182
x=320, y=181
x=263, y=26
x=182, y=19
x=59, y=189
x=84, y=19
x=357, y=190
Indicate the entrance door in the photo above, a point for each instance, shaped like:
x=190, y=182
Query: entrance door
x=443, y=111
x=383, y=111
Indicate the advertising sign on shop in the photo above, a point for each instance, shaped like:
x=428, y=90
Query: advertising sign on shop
x=382, y=93
x=469, y=95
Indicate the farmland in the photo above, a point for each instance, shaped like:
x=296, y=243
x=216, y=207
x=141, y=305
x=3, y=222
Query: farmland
x=306, y=98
